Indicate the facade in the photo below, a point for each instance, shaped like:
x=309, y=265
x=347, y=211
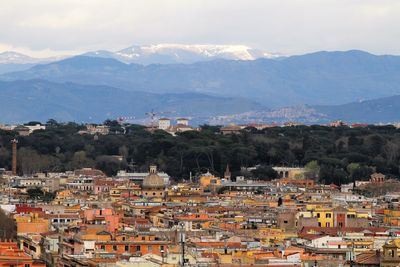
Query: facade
x=391, y=254
x=153, y=185
x=11, y=255
x=164, y=123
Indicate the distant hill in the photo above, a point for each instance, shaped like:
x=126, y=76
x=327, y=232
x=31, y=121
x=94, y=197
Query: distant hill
x=12, y=61
x=370, y=111
x=322, y=78
x=381, y=110
x=29, y=100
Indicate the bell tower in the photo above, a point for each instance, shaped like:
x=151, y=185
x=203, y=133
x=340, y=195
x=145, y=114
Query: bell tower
x=227, y=174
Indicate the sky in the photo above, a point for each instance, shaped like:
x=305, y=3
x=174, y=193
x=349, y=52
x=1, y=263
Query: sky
x=44, y=28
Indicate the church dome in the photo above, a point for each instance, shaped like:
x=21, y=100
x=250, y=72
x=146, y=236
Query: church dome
x=153, y=181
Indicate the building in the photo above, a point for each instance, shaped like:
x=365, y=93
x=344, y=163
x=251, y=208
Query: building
x=377, y=178
x=182, y=121
x=164, y=123
x=391, y=254
x=11, y=255
x=290, y=172
x=138, y=177
x=231, y=129
x=153, y=184
x=96, y=129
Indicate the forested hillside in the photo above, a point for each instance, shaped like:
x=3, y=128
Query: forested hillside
x=338, y=155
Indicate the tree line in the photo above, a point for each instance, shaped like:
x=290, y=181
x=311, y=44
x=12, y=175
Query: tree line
x=331, y=154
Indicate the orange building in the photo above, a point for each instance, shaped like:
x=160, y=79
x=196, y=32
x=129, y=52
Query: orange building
x=137, y=245
x=31, y=224
x=208, y=179
x=11, y=255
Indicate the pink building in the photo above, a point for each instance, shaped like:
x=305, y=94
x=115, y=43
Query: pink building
x=102, y=217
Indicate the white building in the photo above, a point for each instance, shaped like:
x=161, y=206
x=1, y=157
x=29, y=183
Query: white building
x=328, y=242
x=164, y=123
x=138, y=177
x=35, y=127
x=182, y=121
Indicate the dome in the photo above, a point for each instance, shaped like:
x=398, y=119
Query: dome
x=153, y=181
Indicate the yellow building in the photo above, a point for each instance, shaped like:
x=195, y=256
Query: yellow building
x=208, y=179
x=274, y=236
x=392, y=217
x=325, y=217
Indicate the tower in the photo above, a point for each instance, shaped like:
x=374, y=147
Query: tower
x=227, y=174
x=14, y=143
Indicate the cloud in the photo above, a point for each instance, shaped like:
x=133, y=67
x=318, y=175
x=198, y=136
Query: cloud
x=287, y=26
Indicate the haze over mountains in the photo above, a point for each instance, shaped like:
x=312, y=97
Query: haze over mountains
x=219, y=79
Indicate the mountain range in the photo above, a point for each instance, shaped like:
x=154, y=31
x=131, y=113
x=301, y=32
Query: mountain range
x=323, y=78
x=326, y=85
x=180, y=53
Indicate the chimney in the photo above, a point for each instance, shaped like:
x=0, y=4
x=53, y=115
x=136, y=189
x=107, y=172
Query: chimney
x=14, y=143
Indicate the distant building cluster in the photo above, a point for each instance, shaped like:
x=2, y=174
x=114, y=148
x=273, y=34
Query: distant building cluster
x=23, y=130
x=145, y=219
x=182, y=125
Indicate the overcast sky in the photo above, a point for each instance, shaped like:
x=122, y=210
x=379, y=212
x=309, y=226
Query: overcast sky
x=51, y=27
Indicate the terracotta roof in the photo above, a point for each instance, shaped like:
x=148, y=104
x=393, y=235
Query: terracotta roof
x=370, y=257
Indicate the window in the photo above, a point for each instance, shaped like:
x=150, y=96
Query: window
x=328, y=215
x=126, y=248
x=102, y=247
x=285, y=221
x=319, y=224
x=137, y=248
x=123, y=238
x=318, y=215
x=328, y=224
x=114, y=247
x=27, y=265
x=143, y=238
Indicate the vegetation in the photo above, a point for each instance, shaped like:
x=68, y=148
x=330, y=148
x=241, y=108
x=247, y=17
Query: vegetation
x=39, y=194
x=332, y=155
x=8, y=227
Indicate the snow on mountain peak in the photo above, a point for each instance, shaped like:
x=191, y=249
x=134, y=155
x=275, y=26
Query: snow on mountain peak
x=183, y=53
x=14, y=58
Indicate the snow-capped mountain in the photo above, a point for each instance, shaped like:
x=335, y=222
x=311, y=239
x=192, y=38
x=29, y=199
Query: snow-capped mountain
x=10, y=57
x=180, y=53
x=11, y=61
